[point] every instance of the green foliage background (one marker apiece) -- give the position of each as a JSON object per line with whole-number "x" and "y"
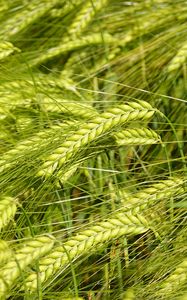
{"x": 93, "y": 149}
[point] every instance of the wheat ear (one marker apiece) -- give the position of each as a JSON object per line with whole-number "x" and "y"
{"x": 179, "y": 59}
{"x": 7, "y": 48}
{"x": 104, "y": 62}
{"x": 129, "y": 295}
{"x": 117, "y": 225}
{"x": 64, "y": 82}
{"x": 127, "y": 137}
{"x": 8, "y": 207}
{"x": 153, "y": 194}
{"x": 136, "y": 136}
{"x": 78, "y": 110}
{"x": 29, "y": 252}
{"x": 21, "y": 20}
{"x": 42, "y": 82}
{"x": 175, "y": 280}
{"x": 31, "y": 143}
{"x": 67, "y": 7}
{"x": 85, "y": 16}
{"x": 92, "y": 131}
{"x": 94, "y": 39}
{"x": 5, "y": 252}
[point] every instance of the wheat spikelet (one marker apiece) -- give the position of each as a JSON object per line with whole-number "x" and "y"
{"x": 15, "y": 86}
{"x": 21, "y": 20}
{"x": 71, "y": 63}
{"x": 65, "y": 176}
{"x": 136, "y": 136}
{"x": 104, "y": 62}
{"x": 11, "y": 91}
{"x": 44, "y": 82}
{"x": 8, "y": 207}
{"x": 31, "y": 143}
{"x": 76, "y": 109}
{"x": 152, "y": 20}
{"x": 94, "y": 39}
{"x": 175, "y": 280}
{"x": 7, "y": 48}
{"x": 10, "y": 102}
{"x": 5, "y": 252}
{"x": 129, "y": 295}
{"x": 117, "y": 225}
{"x": 179, "y": 59}
{"x": 152, "y": 195}
{"x": 29, "y": 251}
{"x": 67, "y": 7}
{"x": 92, "y": 131}
{"x": 85, "y": 16}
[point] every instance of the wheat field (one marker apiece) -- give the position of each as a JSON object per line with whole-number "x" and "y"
{"x": 93, "y": 150}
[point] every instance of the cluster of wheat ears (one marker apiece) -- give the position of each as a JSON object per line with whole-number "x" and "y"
{"x": 93, "y": 149}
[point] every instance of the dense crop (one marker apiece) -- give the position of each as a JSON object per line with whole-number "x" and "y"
{"x": 93, "y": 150}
